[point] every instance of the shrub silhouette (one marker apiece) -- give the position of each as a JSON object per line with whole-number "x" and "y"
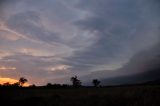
{"x": 32, "y": 86}
{"x": 75, "y": 81}
{"x": 96, "y": 82}
{"x": 16, "y": 84}
{"x": 7, "y": 84}
{"x": 49, "y": 85}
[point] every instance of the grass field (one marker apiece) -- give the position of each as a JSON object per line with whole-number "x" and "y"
{"x": 106, "y": 96}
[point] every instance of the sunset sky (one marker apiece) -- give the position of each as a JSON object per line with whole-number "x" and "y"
{"x": 52, "y": 40}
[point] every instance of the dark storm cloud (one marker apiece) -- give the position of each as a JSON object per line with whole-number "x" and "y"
{"x": 119, "y": 25}
{"x": 143, "y": 66}
{"x": 2, "y": 2}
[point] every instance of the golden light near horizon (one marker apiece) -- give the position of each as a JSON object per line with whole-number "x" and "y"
{"x": 7, "y": 68}
{"x": 11, "y": 81}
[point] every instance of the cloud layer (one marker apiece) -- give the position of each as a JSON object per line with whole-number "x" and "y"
{"x": 52, "y": 40}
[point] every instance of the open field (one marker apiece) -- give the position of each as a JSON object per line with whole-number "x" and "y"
{"x": 107, "y": 96}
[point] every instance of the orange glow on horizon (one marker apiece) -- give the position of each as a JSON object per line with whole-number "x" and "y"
{"x": 11, "y": 81}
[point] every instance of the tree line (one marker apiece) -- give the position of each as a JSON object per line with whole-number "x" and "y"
{"x": 74, "y": 80}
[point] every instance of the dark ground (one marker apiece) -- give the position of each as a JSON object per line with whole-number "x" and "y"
{"x": 107, "y": 96}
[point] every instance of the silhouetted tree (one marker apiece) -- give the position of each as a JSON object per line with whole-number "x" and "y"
{"x": 96, "y": 82}
{"x": 22, "y": 81}
{"x": 75, "y": 81}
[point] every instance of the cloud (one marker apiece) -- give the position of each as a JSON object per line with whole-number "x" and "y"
{"x": 4, "y": 54}
{"x": 6, "y": 35}
{"x": 7, "y": 68}
{"x": 34, "y": 67}
{"x": 35, "y": 52}
{"x": 55, "y": 38}
{"x": 122, "y": 29}
{"x": 28, "y": 24}
{"x": 141, "y": 67}
{"x": 59, "y": 70}
{"x": 60, "y": 67}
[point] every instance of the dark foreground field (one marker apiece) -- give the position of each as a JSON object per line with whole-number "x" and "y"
{"x": 109, "y": 96}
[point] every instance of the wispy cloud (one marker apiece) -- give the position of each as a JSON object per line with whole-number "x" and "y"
{"x": 7, "y": 68}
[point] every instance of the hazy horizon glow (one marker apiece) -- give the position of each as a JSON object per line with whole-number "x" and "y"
{"x": 10, "y": 81}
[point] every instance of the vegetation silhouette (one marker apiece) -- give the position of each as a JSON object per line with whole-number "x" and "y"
{"x": 7, "y": 84}
{"x": 22, "y": 81}
{"x": 32, "y": 86}
{"x": 96, "y": 82}
{"x": 50, "y": 85}
{"x": 75, "y": 82}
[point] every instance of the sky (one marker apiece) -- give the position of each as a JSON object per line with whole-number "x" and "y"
{"x": 52, "y": 40}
